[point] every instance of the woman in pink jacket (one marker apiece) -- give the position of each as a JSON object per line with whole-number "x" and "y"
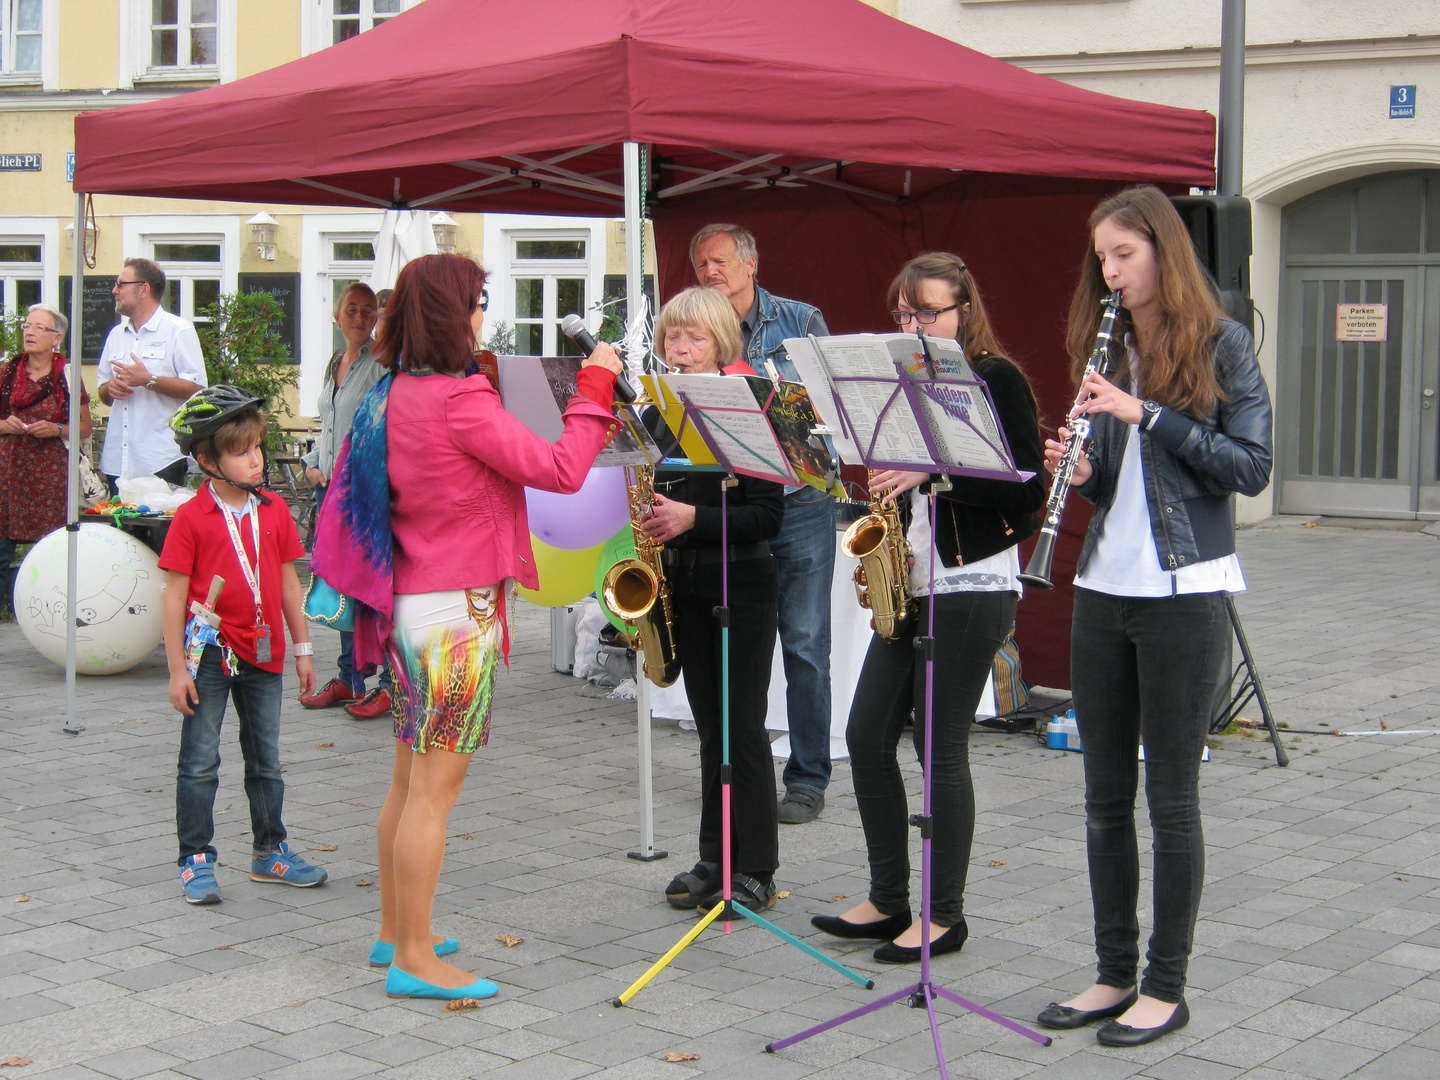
{"x": 429, "y": 533}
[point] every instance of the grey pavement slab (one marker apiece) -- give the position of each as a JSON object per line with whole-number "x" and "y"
{"x": 1316, "y": 951}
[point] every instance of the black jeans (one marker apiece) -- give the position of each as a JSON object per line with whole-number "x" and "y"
{"x": 969, "y": 627}
{"x": 754, "y": 827}
{"x": 1145, "y": 670}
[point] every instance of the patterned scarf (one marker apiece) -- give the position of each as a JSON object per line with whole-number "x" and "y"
{"x": 18, "y": 392}
{"x": 354, "y": 549}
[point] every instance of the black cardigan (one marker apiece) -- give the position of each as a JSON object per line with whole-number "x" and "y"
{"x": 979, "y": 518}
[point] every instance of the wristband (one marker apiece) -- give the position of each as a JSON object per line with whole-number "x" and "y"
{"x": 303, "y": 648}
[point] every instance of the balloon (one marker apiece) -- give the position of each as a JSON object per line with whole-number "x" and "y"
{"x": 565, "y": 576}
{"x": 584, "y": 519}
{"x": 618, "y": 547}
{"x": 119, "y": 602}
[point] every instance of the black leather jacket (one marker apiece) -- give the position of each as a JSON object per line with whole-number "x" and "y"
{"x": 1191, "y": 467}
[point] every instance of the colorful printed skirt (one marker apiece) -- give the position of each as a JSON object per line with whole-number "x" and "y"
{"x": 444, "y": 652}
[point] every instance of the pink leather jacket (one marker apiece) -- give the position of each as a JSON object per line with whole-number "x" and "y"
{"x": 459, "y": 464}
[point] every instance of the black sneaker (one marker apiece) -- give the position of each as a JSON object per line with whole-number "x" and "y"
{"x": 800, "y": 805}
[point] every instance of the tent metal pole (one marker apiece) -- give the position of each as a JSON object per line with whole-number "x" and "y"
{"x": 634, "y": 285}
{"x": 1232, "y": 97}
{"x": 72, "y": 503}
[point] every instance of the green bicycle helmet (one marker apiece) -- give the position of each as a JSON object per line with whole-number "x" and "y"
{"x": 207, "y": 410}
{"x": 204, "y": 413}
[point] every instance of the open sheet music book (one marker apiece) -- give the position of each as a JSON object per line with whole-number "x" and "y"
{"x": 536, "y": 389}
{"x": 761, "y": 429}
{"x": 888, "y": 404}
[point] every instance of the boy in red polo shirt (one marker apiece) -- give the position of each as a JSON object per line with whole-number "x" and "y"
{"x": 231, "y": 530}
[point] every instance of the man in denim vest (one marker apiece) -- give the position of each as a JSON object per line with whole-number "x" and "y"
{"x": 724, "y": 258}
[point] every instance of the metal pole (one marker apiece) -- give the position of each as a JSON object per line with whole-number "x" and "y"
{"x": 72, "y": 504}
{"x": 1232, "y": 98}
{"x": 634, "y": 230}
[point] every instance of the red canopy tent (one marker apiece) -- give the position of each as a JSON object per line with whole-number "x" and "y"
{"x": 845, "y": 139}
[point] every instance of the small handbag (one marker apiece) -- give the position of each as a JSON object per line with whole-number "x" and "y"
{"x": 93, "y": 489}
{"x": 328, "y": 606}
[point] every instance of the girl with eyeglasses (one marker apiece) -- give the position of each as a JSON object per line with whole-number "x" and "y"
{"x": 979, "y": 524}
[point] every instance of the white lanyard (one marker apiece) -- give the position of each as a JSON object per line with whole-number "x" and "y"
{"x": 252, "y": 576}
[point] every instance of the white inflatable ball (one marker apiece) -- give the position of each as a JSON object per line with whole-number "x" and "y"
{"x": 119, "y": 605}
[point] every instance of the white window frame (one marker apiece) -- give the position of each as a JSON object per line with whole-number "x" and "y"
{"x": 317, "y": 22}
{"x": 318, "y": 269}
{"x": 48, "y": 77}
{"x": 46, "y": 233}
{"x": 501, "y": 232}
{"x": 135, "y": 67}
{"x": 141, "y": 234}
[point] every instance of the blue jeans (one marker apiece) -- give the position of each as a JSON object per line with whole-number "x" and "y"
{"x": 346, "y": 663}
{"x": 805, "y": 554}
{"x": 256, "y": 694}
{"x": 1146, "y": 670}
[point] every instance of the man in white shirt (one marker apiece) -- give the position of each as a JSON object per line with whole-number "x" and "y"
{"x": 151, "y": 364}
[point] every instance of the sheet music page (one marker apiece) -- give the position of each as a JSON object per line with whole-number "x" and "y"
{"x": 536, "y": 390}
{"x": 862, "y": 372}
{"x": 673, "y": 410}
{"x": 822, "y": 397}
{"x": 735, "y": 424}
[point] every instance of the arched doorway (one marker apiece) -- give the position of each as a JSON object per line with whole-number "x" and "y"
{"x": 1358, "y": 426}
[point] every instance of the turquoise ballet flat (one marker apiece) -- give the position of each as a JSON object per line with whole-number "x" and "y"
{"x": 400, "y": 984}
{"x": 383, "y": 954}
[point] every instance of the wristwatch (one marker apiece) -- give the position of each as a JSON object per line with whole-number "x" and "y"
{"x": 151, "y": 384}
{"x": 1152, "y": 413}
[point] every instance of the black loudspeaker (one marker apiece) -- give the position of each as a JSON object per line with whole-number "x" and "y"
{"x": 1220, "y": 227}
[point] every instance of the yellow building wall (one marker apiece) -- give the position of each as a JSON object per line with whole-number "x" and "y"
{"x": 267, "y": 34}
{"x": 89, "y": 56}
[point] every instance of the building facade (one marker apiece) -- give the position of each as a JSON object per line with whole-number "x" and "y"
{"x": 1342, "y": 165}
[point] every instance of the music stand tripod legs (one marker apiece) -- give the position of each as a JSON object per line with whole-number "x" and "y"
{"x": 728, "y": 908}
{"x": 1249, "y": 688}
{"x": 923, "y": 993}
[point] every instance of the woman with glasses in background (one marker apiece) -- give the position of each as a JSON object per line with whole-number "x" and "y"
{"x": 34, "y": 425}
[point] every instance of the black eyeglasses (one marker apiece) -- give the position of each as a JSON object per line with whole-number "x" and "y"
{"x": 924, "y": 316}
{"x": 483, "y": 301}
{"x": 121, "y": 284}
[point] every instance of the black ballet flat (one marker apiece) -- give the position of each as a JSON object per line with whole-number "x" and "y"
{"x": 952, "y": 940}
{"x": 1112, "y": 1033}
{"x": 889, "y": 927}
{"x": 1064, "y": 1018}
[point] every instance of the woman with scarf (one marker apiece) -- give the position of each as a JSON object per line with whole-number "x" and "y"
{"x": 34, "y": 424}
{"x": 425, "y": 527}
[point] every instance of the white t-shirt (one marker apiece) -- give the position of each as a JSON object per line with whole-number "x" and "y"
{"x": 138, "y": 439}
{"x": 998, "y": 573}
{"x": 1125, "y": 561}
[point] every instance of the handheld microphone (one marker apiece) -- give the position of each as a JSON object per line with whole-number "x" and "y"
{"x": 574, "y": 328}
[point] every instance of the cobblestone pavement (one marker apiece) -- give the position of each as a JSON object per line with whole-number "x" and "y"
{"x": 1316, "y": 953}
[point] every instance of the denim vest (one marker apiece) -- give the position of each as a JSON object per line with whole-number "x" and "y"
{"x": 779, "y": 319}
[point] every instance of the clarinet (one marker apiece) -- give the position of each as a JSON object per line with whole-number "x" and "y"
{"x": 1037, "y": 570}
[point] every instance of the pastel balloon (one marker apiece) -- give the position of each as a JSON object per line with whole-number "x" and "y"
{"x": 565, "y": 576}
{"x": 619, "y": 547}
{"x": 584, "y": 519}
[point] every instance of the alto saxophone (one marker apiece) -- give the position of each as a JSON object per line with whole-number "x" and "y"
{"x": 882, "y": 580}
{"x": 636, "y": 590}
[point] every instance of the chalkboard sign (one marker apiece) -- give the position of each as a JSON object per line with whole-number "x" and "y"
{"x": 285, "y": 288}
{"x": 98, "y": 304}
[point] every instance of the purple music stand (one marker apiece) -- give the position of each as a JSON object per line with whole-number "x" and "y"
{"x": 922, "y": 993}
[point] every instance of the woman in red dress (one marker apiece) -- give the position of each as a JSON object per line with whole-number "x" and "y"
{"x": 34, "y": 422}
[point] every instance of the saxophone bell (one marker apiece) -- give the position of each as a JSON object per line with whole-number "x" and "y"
{"x": 882, "y": 580}
{"x": 636, "y": 591}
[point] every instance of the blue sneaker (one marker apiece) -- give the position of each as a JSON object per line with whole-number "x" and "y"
{"x": 197, "y": 877}
{"x": 287, "y": 868}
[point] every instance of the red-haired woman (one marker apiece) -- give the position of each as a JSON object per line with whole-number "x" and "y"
{"x": 425, "y": 526}
{"x": 1181, "y": 423}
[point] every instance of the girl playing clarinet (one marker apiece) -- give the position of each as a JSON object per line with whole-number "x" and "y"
{"x": 1181, "y": 423}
